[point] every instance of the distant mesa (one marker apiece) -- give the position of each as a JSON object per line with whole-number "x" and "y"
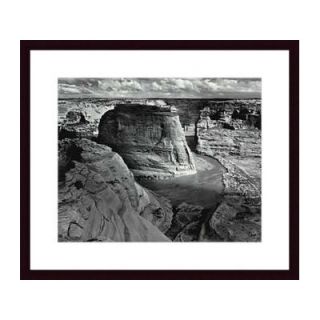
{"x": 149, "y": 138}
{"x": 81, "y": 121}
{"x": 75, "y": 125}
{"x": 74, "y": 117}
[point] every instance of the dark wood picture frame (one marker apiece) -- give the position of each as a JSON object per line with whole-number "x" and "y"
{"x": 292, "y": 46}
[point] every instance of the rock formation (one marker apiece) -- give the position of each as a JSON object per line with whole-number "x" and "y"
{"x": 92, "y": 109}
{"x": 80, "y": 119}
{"x": 234, "y": 139}
{"x": 99, "y": 199}
{"x": 75, "y": 125}
{"x": 186, "y": 223}
{"x": 149, "y": 138}
{"x": 234, "y": 221}
{"x": 238, "y": 217}
{"x": 220, "y": 134}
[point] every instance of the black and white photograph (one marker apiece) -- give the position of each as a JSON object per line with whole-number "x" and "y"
{"x": 123, "y": 156}
{"x": 159, "y": 159}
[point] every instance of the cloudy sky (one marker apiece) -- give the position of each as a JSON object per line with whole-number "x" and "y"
{"x": 159, "y": 87}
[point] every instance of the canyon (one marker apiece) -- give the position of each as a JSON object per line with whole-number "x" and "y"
{"x": 160, "y": 170}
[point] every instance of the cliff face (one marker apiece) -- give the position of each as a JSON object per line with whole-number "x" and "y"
{"x": 99, "y": 199}
{"x": 227, "y": 138}
{"x": 80, "y": 120}
{"x": 234, "y": 139}
{"x": 149, "y": 138}
{"x": 228, "y": 131}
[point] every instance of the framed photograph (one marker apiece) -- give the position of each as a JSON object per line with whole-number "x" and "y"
{"x": 159, "y": 160}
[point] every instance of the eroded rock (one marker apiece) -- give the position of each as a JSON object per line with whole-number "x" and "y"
{"x": 149, "y": 138}
{"x": 99, "y": 199}
{"x": 81, "y": 119}
{"x": 234, "y": 139}
{"x": 236, "y": 221}
{"x": 186, "y": 223}
{"x": 75, "y": 125}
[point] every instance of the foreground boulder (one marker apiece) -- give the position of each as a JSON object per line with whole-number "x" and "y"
{"x": 186, "y": 223}
{"x": 236, "y": 219}
{"x": 99, "y": 199}
{"x": 149, "y": 138}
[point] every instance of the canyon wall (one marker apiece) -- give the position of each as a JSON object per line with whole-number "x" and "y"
{"x": 149, "y": 138}
{"x": 229, "y": 132}
{"x": 99, "y": 199}
{"x": 78, "y": 119}
{"x": 233, "y": 137}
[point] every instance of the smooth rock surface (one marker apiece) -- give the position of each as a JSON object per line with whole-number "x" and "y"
{"x": 99, "y": 199}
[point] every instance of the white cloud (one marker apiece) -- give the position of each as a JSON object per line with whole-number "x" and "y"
{"x": 65, "y": 88}
{"x": 157, "y": 87}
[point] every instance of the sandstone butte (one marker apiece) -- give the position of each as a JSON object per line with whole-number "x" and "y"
{"x": 149, "y": 138}
{"x": 99, "y": 200}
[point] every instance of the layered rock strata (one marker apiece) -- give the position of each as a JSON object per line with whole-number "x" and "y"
{"x": 92, "y": 109}
{"x": 99, "y": 199}
{"x": 149, "y": 138}
{"x": 75, "y": 125}
{"x": 80, "y": 120}
{"x": 235, "y": 141}
{"x": 227, "y": 138}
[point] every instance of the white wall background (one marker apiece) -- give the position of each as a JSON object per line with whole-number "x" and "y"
{"x": 161, "y": 20}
